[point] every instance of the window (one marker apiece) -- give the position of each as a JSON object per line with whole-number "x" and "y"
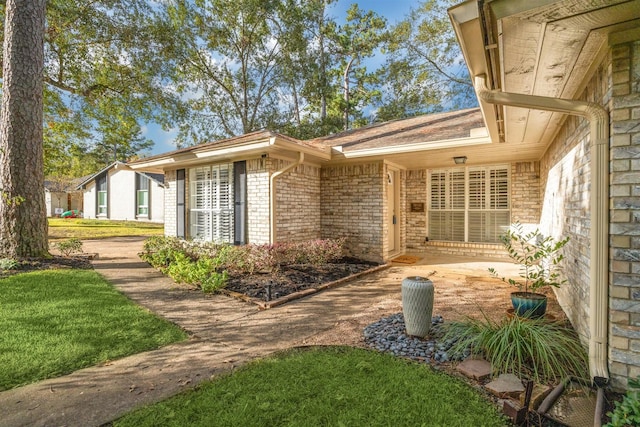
{"x": 211, "y": 203}
{"x": 142, "y": 195}
{"x": 469, "y": 204}
{"x": 101, "y": 189}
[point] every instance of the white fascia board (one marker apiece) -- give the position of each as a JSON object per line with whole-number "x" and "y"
{"x": 421, "y": 146}
{"x": 157, "y": 164}
{"x": 323, "y": 153}
{"x": 232, "y": 150}
{"x": 463, "y": 12}
{"x": 465, "y": 19}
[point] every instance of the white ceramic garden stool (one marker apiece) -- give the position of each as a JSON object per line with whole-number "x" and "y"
{"x": 417, "y": 305}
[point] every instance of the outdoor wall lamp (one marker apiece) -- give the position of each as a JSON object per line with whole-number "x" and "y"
{"x": 460, "y": 160}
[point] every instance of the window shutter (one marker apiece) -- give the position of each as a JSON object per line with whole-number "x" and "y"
{"x": 446, "y": 216}
{"x": 200, "y": 198}
{"x": 477, "y": 200}
{"x": 438, "y": 190}
{"x": 499, "y": 189}
{"x": 240, "y": 202}
{"x": 212, "y": 203}
{"x": 180, "y": 203}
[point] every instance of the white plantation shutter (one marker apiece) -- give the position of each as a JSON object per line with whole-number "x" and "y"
{"x": 472, "y": 203}
{"x": 223, "y": 215}
{"x": 211, "y": 208}
{"x": 446, "y": 216}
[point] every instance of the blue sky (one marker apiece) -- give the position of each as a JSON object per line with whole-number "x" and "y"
{"x": 392, "y": 10}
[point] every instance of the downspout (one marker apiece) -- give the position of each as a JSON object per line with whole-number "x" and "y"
{"x": 272, "y": 195}
{"x": 599, "y": 206}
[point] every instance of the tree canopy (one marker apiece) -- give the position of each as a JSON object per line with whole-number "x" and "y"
{"x": 219, "y": 68}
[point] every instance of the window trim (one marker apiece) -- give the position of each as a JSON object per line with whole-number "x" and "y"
{"x": 142, "y": 206}
{"x": 447, "y": 202}
{"x": 141, "y": 182}
{"x": 216, "y": 213}
{"x": 102, "y": 210}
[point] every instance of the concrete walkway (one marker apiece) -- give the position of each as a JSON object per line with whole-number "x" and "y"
{"x": 224, "y": 333}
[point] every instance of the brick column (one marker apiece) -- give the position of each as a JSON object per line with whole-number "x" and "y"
{"x": 624, "y": 278}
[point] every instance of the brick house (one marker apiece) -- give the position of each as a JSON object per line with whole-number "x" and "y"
{"x": 119, "y": 193}
{"x": 559, "y": 87}
{"x": 555, "y": 144}
{"x": 265, "y": 187}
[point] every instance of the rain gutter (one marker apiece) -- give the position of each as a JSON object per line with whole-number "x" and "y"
{"x": 598, "y": 118}
{"x": 272, "y": 194}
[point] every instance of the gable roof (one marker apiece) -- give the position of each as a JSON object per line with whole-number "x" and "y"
{"x": 63, "y": 186}
{"x": 157, "y": 177}
{"x": 234, "y": 148}
{"x": 427, "y": 129}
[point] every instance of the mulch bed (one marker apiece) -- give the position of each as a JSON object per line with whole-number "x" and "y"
{"x": 294, "y": 278}
{"x": 53, "y": 263}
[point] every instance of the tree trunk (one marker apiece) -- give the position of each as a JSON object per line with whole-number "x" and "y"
{"x": 23, "y": 221}
{"x": 345, "y": 89}
{"x": 323, "y": 65}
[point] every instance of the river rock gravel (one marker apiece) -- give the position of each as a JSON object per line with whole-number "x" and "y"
{"x": 388, "y": 335}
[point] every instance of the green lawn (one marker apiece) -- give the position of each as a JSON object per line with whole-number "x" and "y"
{"x": 57, "y": 321}
{"x": 334, "y": 386}
{"x": 60, "y": 228}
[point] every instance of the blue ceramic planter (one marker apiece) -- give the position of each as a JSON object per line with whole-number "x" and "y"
{"x": 529, "y": 304}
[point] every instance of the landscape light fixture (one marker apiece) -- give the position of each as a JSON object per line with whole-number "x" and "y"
{"x": 460, "y": 160}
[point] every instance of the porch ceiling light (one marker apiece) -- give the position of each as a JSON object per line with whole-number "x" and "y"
{"x": 460, "y": 160}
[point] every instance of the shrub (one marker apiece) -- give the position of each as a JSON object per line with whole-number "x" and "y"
{"x": 160, "y": 251}
{"x": 8, "y": 264}
{"x": 202, "y": 272}
{"x": 208, "y": 264}
{"x": 69, "y": 246}
{"x": 214, "y": 282}
{"x": 539, "y": 257}
{"x": 627, "y": 412}
{"x": 529, "y": 348}
{"x": 180, "y": 268}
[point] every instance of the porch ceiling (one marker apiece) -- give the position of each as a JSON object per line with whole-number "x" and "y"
{"x": 537, "y": 47}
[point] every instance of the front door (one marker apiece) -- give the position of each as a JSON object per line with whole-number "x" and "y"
{"x": 393, "y": 210}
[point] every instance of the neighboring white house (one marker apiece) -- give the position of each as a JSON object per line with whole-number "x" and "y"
{"x": 61, "y": 197}
{"x": 119, "y": 193}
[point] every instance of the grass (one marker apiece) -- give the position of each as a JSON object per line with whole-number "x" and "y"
{"x": 537, "y": 349}
{"x": 60, "y": 228}
{"x": 330, "y": 386}
{"x": 57, "y": 321}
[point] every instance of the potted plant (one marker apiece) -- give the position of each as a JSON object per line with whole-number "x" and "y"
{"x": 539, "y": 258}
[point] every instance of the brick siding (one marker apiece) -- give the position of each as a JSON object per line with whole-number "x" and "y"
{"x": 624, "y": 298}
{"x": 258, "y": 230}
{"x": 297, "y": 203}
{"x": 352, "y": 206}
{"x": 170, "y": 200}
{"x": 525, "y": 192}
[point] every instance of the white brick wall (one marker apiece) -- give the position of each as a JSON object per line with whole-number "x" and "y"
{"x": 258, "y": 200}
{"x": 170, "y": 202}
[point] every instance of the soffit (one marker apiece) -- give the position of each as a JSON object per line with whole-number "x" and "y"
{"x": 549, "y": 49}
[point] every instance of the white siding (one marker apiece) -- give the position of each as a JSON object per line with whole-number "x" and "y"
{"x": 121, "y": 197}
{"x": 157, "y": 202}
{"x": 121, "y": 188}
{"x": 89, "y": 201}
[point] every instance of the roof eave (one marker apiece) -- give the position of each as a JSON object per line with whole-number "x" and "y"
{"x": 82, "y": 184}
{"x": 230, "y": 152}
{"x": 411, "y": 148}
{"x": 467, "y": 25}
